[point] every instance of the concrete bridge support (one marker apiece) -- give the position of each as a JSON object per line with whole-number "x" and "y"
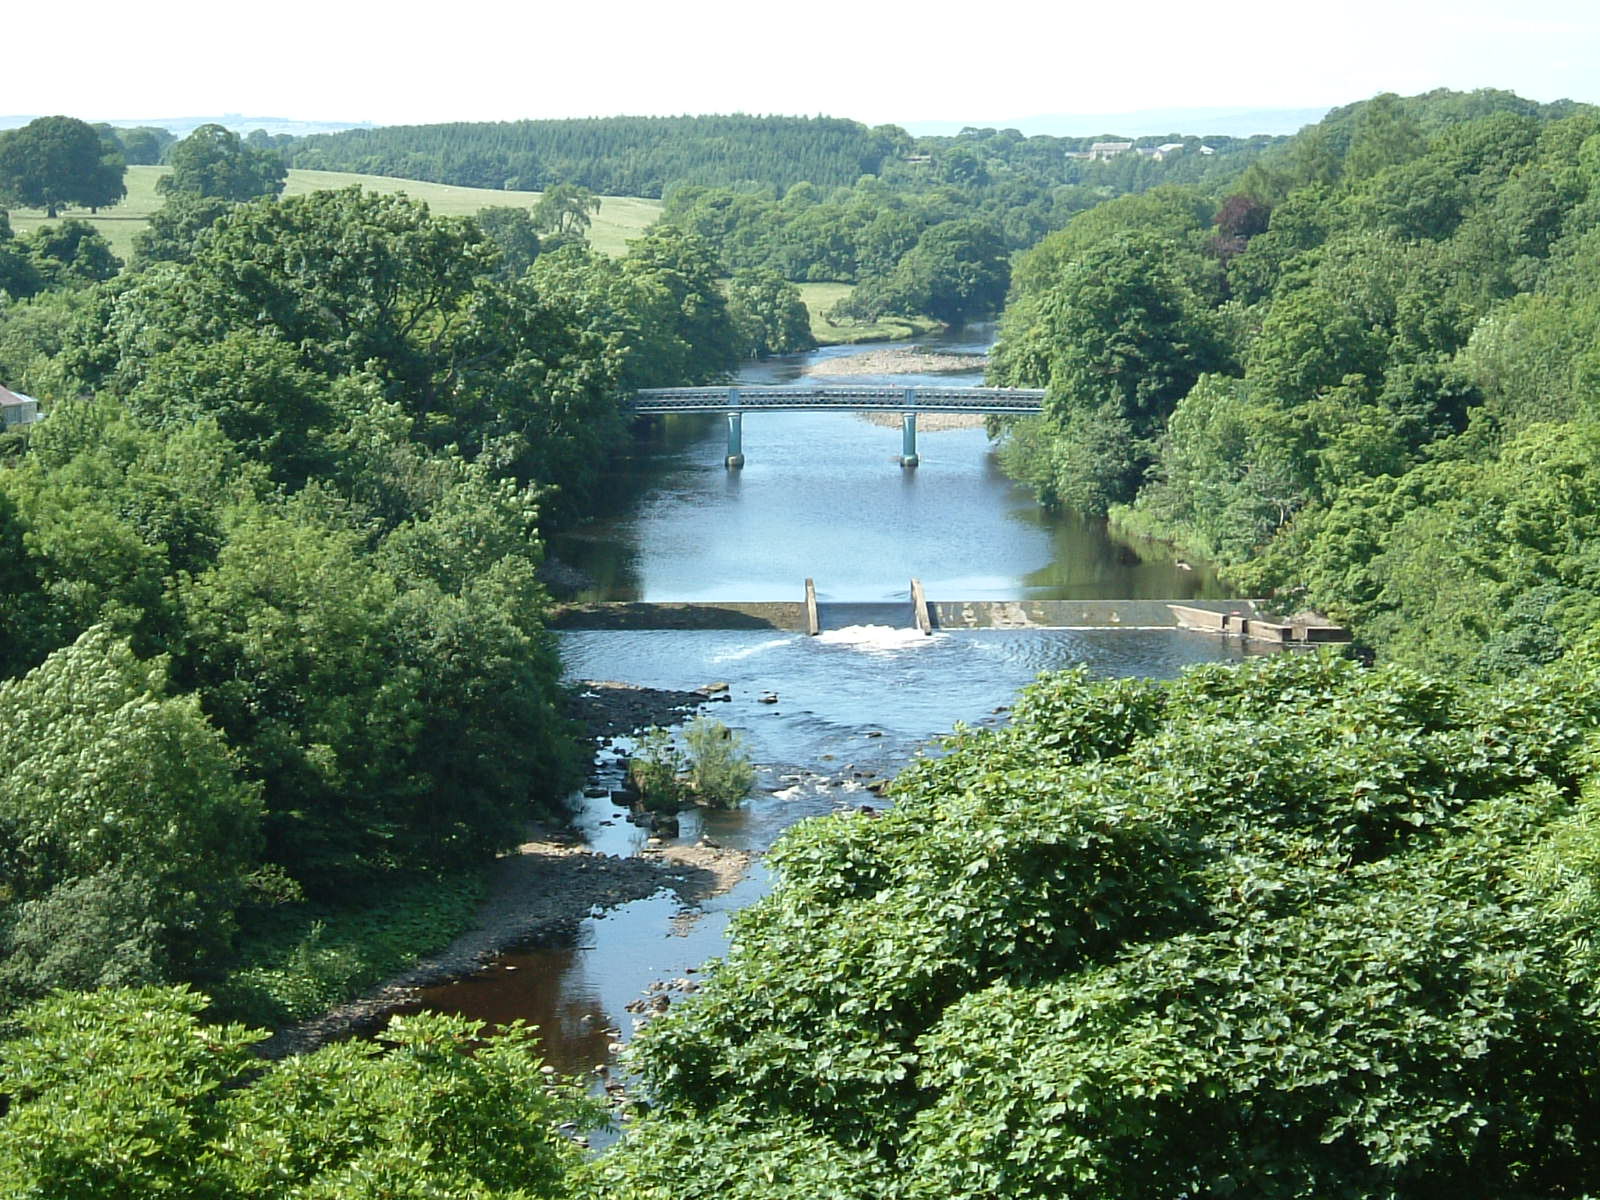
{"x": 908, "y": 439}
{"x": 735, "y": 458}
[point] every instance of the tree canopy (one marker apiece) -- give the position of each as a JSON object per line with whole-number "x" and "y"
{"x": 1290, "y": 928}
{"x": 213, "y": 161}
{"x": 54, "y": 162}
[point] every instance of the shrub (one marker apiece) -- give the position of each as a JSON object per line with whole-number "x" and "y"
{"x": 654, "y": 770}
{"x": 720, "y": 771}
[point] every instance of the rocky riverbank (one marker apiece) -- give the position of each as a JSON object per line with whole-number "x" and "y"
{"x": 540, "y": 891}
{"x": 898, "y": 360}
{"x": 928, "y": 422}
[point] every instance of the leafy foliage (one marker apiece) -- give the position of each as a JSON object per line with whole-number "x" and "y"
{"x": 1282, "y": 929}
{"x": 769, "y": 314}
{"x": 54, "y": 162}
{"x": 655, "y": 768}
{"x": 127, "y": 832}
{"x": 213, "y": 161}
{"x": 1391, "y": 302}
{"x": 720, "y": 772}
{"x": 126, "y": 1093}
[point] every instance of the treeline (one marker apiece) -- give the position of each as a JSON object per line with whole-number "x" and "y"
{"x": 1364, "y": 381}
{"x": 615, "y": 156}
{"x": 652, "y": 156}
{"x": 273, "y": 622}
{"x": 933, "y": 233}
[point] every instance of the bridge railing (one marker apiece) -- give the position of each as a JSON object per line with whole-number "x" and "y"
{"x": 732, "y": 399}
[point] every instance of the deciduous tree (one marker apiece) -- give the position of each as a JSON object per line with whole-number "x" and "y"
{"x": 213, "y": 161}
{"x": 53, "y": 162}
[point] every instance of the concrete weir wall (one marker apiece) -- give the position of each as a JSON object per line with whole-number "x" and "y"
{"x": 1228, "y": 618}
{"x": 1254, "y": 628}
{"x": 717, "y": 614}
{"x": 1070, "y": 614}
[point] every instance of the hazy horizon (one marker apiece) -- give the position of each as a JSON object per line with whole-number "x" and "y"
{"x": 321, "y": 63}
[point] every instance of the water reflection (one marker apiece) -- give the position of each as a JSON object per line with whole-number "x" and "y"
{"x": 822, "y": 495}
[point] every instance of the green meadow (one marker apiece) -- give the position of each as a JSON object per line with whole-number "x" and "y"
{"x": 820, "y": 297}
{"x": 619, "y": 218}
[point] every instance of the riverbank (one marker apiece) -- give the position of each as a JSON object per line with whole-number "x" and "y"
{"x": 899, "y": 360}
{"x": 819, "y": 300}
{"x": 537, "y": 895}
{"x": 539, "y": 892}
{"x": 927, "y": 422}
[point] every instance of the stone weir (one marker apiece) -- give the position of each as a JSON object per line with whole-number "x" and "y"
{"x": 1084, "y": 614}
{"x": 711, "y": 614}
{"x": 1229, "y": 618}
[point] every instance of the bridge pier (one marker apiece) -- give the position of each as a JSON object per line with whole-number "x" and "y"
{"x": 908, "y": 439}
{"x": 735, "y": 458}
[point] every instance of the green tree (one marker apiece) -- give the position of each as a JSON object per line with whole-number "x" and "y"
{"x": 129, "y": 1093}
{"x": 70, "y": 254}
{"x": 129, "y": 830}
{"x": 1383, "y": 135}
{"x": 19, "y": 276}
{"x": 174, "y": 228}
{"x": 1290, "y": 927}
{"x": 514, "y": 232}
{"x": 563, "y": 211}
{"x": 53, "y": 162}
{"x": 253, "y": 386}
{"x": 957, "y": 270}
{"x": 142, "y": 146}
{"x": 682, "y": 265}
{"x": 213, "y": 161}
{"x": 328, "y": 731}
{"x": 374, "y": 288}
{"x": 769, "y": 314}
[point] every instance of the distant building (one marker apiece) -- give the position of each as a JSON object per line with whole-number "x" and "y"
{"x": 1159, "y": 153}
{"x": 17, "y": 409}
{"x": 1101, "y": 151}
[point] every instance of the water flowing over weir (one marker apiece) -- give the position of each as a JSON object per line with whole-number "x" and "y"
{"x": 820, "y": 495}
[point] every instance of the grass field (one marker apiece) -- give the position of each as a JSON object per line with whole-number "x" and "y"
{"x": 820, "y": 297}
{"x": 619, "y": 218}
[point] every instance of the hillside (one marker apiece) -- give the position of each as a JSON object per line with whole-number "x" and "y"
{"x": 619, "y": 218}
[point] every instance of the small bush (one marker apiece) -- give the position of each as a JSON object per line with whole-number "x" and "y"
{"x": 655, "y": 768}
{"x": 720, "y": 771}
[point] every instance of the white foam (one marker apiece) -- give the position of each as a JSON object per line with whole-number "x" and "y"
{"x": 748, "y": 651}
{"x": 877, "y": 639}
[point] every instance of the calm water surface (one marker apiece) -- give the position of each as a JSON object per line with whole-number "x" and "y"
{"x": 821, "y": 495}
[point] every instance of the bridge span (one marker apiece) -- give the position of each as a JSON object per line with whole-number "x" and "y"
{"x": 908, "y": 401}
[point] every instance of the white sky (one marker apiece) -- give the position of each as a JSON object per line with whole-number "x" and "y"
{"x": 876, "y": 62}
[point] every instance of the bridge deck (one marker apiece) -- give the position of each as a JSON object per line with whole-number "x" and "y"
{"x": 853, "y": 399}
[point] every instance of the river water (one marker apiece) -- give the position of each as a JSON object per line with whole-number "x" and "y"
{"x": 821, "y": 495}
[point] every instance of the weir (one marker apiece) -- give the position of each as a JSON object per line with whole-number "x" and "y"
{"x": 1228, "y": 618}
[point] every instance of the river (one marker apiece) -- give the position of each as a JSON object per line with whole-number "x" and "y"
{"x": 821, "y": 495}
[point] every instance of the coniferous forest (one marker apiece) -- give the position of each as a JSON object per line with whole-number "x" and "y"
{"x": 274, "y": 650}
